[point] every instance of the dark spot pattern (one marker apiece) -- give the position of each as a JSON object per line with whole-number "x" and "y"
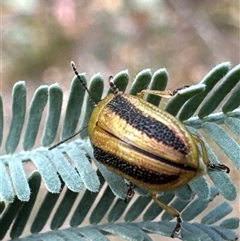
{"x": 138, "y": 173}
{"x": 148, "y": 125}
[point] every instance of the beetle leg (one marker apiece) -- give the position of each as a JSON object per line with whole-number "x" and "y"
{"x": 171, "y": 211}
{"x": 130, "y": 192}
{"x": 204, "y": 150}
{"x": 165, "y": 93}
{"x": 212, "y": 166}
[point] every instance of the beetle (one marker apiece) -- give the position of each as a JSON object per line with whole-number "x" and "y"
{"x": 144, "y": 144}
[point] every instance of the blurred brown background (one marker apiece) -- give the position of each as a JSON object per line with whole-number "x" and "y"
{"x": 40, "y": 38}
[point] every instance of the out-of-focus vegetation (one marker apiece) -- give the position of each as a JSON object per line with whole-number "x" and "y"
{"x": 40, "y": 38}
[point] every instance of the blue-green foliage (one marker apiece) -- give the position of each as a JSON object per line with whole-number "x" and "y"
{"x": 68, "y": 171}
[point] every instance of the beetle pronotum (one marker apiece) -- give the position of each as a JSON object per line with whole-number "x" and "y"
{"x": 144, "y": 144}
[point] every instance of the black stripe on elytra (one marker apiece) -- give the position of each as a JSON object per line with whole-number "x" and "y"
{"x": 148, "y": 125}
{"x": 139, "y": 173}
{"x": 156, "y": 157}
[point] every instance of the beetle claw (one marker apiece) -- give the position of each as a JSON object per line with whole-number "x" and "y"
{"x": 178, "y": 227}
{"x": 130, "y": 192}
{"x": 180, "y": 88}
{"x": 219, "y": 167}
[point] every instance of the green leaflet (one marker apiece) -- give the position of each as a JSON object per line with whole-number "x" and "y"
{"x": 53, "y": 117}
{"x": 69, "y": 174}
{"x": 37, "y": 105}
{"x": 18, "y": 115}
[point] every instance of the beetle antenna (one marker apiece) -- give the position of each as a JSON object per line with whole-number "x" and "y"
{"x": 113, "y": 87}
{"x": 68, "y": 138}
{"x": 82, "y": 82}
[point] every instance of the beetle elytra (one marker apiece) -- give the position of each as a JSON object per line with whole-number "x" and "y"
{"x": 145, "y": 145}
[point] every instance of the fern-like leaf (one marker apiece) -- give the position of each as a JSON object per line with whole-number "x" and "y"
{"x": 68, "y": 171}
